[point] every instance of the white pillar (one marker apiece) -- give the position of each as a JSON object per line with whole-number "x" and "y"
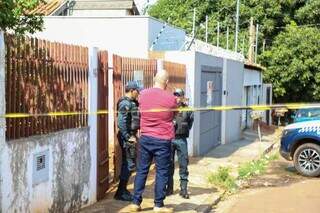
{"x": 224, "y": 101}
{"x": 2, "y": 111}
{"x": 92, "y": 119}
{"x": 160, "y": 65}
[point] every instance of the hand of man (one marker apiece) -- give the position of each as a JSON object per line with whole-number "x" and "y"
{"x": 132, "y": 139}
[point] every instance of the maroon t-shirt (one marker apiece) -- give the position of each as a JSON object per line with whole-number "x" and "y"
{"x": 157, "y": 124}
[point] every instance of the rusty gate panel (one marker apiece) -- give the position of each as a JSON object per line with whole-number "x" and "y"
{"x": 43, "y": 77}
{"x": 117, "y": 93}
{"x": 102, "y": 131}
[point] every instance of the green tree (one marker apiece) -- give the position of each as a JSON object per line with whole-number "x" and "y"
{"x": 293, "y": 64}
{"x": 15, "y": 16}
{"x": 310, "y": 13}
{"x": 272, "y": 15}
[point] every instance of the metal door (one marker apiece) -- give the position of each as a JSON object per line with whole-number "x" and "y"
{"x": 210, "y": 121}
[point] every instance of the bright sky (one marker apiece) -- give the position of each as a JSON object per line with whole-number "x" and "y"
{"x": 141, "y": 3}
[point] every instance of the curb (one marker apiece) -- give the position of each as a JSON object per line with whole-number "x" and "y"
{"x": 270, "y": 148}
{"x": 214, "y": 201}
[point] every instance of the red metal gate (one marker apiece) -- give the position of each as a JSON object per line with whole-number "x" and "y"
{"x": 43, "y": 77}
{"x": 103, "y": 154}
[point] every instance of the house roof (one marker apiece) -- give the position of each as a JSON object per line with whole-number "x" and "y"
{"x": 253, "y": 66}
{"x": 50, "y": 6}
{"x": 47, "y": 8}
{"x": 104, "y": 4}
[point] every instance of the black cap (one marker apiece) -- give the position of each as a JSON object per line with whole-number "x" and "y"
{"x": 133, "y": 85}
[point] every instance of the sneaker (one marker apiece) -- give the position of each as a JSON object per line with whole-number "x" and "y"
{"x": 123, "y": 197}
{"x": 162, "y": 209}
{"x": 133, "y": 208}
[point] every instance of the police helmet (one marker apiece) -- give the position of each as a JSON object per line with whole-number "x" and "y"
{"x": 178, "y": 92}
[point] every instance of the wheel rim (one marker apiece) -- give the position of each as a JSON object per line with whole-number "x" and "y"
{"x": 309, "y": 160}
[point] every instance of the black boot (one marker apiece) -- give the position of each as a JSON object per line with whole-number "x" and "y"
{"x": 122, "y": 193}
{"x": 184, "y": 191}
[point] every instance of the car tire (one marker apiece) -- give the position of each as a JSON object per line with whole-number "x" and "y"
{"x": 307, "y": 159}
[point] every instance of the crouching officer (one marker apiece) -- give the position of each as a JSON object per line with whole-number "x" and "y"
{"x": 183, "y": 122}
{"x": 128, "y": 124}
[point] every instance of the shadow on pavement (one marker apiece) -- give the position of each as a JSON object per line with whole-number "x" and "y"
{"x": 226, "y": 150}
{"x": 182, "y": 205}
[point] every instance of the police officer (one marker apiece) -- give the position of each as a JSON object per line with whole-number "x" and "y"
{"x": 183, "y": 122}
{"x": 128, "y": 124}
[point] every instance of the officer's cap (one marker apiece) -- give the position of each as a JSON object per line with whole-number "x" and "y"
{"x": 178, "y": 92}
{"x": 133, "y": 85}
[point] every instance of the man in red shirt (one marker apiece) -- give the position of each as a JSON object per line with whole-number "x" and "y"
{"x": 157, "y": 131}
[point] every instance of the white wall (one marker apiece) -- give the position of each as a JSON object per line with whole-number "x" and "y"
{"x": 130, "y": 36}
{"x": 126, "y": 36}
{"x": 252, "y": 77}
{"x": 103, "y": 13}
{"x": 69, "y": 166}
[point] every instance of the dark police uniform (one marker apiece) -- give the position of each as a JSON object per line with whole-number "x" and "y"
{"x": 183, "y": 122}
{"x": 128, "y": 124}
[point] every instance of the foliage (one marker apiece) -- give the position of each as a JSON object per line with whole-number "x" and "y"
{"x": 255, "y": 167}
{"x": 270, "y": 14}
{"x": 310, "y": 13}
{"x": 223, "y": 179}
{"x": 294, "y": 65}
{"x": 15, "y": 16}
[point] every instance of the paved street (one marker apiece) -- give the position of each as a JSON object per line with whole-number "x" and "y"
{"x": 280, "y": 190}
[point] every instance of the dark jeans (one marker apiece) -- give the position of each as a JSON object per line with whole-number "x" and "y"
{"x": 180, "y": 146}
{"x": 160, "y": 150}
{"x": 128, "y": 164}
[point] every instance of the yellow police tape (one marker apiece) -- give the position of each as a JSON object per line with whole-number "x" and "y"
{"x": 191, "y": 109}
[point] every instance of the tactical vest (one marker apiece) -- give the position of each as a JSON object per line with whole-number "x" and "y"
{"x": 182, "y": 124}
{"x": 133, "y": 114}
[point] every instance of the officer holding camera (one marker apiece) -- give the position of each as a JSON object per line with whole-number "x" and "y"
{"x": 128, "y": 124}
{"x": 183, "y": 122}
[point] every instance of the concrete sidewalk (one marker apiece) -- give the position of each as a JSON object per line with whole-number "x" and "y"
{"x": 203, "y": 196}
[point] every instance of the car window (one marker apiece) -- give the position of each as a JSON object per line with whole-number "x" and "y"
{"x": 308, "y": 113}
